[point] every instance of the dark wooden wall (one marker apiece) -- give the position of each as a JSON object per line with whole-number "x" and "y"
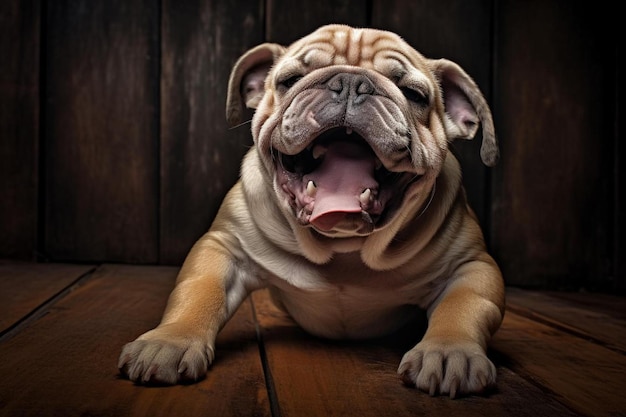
{"x": 114, "y": 147}
{"x": 554, "y": 204}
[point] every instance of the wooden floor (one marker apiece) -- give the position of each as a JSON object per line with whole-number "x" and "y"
{"x": 62, "y": 327}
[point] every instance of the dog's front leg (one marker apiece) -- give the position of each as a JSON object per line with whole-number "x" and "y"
{"x": 451, "y": 358}
{"x": 182, "y": 347}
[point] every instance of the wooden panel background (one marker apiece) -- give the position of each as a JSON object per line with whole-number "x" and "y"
{"x": 552, "y": 206}
{"x": 100, "y": 130}
{"x": 114, "y": 144}
{"x": 199, "y": 155}
{"x": 19, "y": 126}
{"x": 619, "y": 186}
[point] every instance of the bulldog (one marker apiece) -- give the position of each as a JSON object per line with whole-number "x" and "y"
{"x": 350, "y": 208}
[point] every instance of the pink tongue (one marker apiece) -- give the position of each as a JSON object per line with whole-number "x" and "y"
{"x": 346, "y": 171}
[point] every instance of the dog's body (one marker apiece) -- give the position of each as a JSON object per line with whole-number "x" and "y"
{"x": 349, "y": 207}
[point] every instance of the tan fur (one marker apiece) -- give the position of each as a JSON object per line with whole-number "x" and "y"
{"x": 362, "y": 278}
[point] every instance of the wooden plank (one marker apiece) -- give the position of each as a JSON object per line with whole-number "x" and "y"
{"x": 65, "y": 363}
{"x": 619, "y": 185}
{"x": 26, "y": 286}
{"x": 282, "y": 27}
{"x": 583, "y": 375}
{"x": 597, "y": 317}
{"x": 460, "y": 31}
{"x": 316, "y": 377}
{"x": 200, "y": 156}
{"x": 19, "y": 127}
{"x": 552, "y": 211}
{"x": 101, "y": 130}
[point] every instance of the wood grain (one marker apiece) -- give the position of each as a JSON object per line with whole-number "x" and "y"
{"x": 101, "y": 131}
{"x": 552, "y": 212}
{"x": 599, "y": 317}
{"x": 65, "y": 363}
{"x": 26, "y": 286}
{"x": 585, "y": 376}
{"x": 200, "y": 156}
{"x": 288, "y": 21}
{"x": 317, "y": 377}
{"x": 19, "y": 127}
{"x": 619, "y": 184}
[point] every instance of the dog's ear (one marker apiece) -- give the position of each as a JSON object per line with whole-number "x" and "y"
{"x": 466, "y": 108}
{"x": 247, "y": 80}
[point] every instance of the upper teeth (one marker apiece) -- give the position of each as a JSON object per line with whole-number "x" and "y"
{"x": 365, "y": 196}
{"x": 311, "y": 189}
{"x": 348, "y": 130}
{"x": 318, "y": 151}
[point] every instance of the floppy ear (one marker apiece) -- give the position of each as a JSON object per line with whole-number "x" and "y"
{"x": 247, "y": 80}
{"x": 466, "y": 108}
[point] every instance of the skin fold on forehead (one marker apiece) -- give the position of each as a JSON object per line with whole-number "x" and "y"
{"x": 343, "y": 45}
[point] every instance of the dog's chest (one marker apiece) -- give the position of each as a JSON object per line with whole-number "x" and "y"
{"x": 352, "y": 301}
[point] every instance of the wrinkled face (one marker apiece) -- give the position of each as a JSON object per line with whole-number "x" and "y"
{"x": 351, "y": 127}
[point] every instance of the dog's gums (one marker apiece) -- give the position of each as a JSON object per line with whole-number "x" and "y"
{"x": 338, "y": 184}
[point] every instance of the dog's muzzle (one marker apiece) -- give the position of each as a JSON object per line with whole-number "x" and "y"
{"x": 342, "y": 182}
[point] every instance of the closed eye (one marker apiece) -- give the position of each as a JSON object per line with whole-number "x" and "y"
{"x": 290, "y": 81}
{"x": 415, "y": 96}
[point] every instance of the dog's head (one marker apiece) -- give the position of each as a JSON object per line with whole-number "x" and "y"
{"x": 353, "y": 125}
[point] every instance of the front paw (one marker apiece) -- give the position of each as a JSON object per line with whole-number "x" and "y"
{"x": 448, "y": 368}
{"x": 166, "y": 355}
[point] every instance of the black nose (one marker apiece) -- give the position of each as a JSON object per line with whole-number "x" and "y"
{"x": 354, "y": 87}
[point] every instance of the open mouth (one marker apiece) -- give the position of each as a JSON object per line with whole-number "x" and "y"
{"x": 338, "y": 184}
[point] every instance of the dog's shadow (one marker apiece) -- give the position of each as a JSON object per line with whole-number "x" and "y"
{"x": 281, "y": 333}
